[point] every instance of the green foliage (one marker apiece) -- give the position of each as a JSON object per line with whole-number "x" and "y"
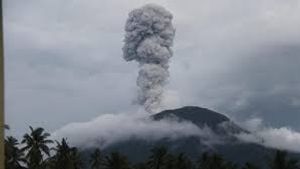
{"x": 214, "y": 161}
{"x": 182, "y": 162}
{"x": 14, "y": 157}
{"x": 116, "y": 161}
{"x": 96, "y": 159}
{"x": 66, "y": 157}
{"x": 35, "y": 154}
{"x": 158, "y": 158}
{"x": 36, "y": 144}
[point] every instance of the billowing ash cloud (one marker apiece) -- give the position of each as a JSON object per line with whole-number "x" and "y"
{"x": 148, "y": 40}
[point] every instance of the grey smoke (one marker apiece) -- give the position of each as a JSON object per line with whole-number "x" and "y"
{"x": 148, "y": 40}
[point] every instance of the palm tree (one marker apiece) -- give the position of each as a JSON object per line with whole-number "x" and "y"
{"x": 36, "y": 144}
{"x": 116, "y": 161}
{"x": 281, "y": 161}
{"x": 75, "y": 158}
{"x": 158, "y": 157}
{"x": 13, "y": 155}
{"x": 96, "y": 159}
{"x": 66, "y": 157}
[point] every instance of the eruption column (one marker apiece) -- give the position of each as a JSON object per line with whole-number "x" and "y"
{"x": 149, "y": 35}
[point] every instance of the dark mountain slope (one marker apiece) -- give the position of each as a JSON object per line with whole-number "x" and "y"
{"x": 202, "y": 117}
{"x": 196, "y": 115}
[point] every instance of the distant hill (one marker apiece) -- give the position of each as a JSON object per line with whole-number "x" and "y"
{"x": 231, "y": 148}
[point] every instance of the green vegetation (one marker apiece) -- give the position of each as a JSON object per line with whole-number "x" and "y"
{"x": 34, "y": 152}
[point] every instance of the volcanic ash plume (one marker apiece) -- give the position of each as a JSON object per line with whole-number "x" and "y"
{"x": 148, "y": 40}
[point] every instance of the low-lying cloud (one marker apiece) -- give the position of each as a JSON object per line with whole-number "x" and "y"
{"x": 283, "y": 138}
{"x": 108, "y": 129}
{"x": 112, "y": 128}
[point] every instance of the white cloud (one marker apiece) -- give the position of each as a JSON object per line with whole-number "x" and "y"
{"x": 111, "y": 128}
{"x": 280, "y": 138}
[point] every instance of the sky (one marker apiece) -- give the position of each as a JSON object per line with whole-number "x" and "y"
{"x": 63, "y": 60}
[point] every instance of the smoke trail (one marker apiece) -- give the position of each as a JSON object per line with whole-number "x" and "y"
{"x": 148, "y": 40}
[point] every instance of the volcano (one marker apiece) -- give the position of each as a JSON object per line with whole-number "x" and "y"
{"x": 223, "y": 128}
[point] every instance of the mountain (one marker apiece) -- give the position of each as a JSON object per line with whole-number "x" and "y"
{"x": 230, "y": 147}
{"x": 196, "y": 115}
{"x": 202, "y": 117}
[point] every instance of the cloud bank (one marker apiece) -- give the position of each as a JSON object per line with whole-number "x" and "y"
{"x": 283, "y": 138}
{"x": 112, "y": 128}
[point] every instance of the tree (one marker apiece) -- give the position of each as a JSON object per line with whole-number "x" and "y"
{"x": 213, "y": 161}
{"x": 281, "y": 161}
{"x": 13, "y": 155}
{"x": 36, "y": 144}
{"x": 182, "y": 162}
{"x": 170, "y": 161}
{"x": 96, "y": 159}
{"x": 75, "y": 158}
{"x": 116, "y": 161}
{"x": 66, "y": 157}
{"x": 158, "y": 157}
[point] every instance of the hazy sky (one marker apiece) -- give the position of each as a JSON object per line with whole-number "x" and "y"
{"x": 63, "y": 60}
